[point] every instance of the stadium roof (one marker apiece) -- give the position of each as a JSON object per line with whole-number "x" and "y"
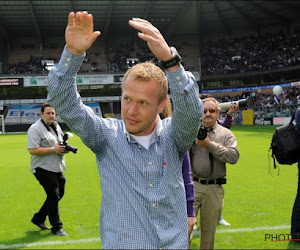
{"x": 44, "y": 18}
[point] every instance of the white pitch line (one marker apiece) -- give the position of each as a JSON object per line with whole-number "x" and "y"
{"x": 249, "y": 229}
{"x": 50, "y": 243}
{"x": 60, "y": 242}
{"x": 237, "y": 230}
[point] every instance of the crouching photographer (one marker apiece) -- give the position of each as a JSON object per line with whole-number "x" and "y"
{"x": 214, "y": 147}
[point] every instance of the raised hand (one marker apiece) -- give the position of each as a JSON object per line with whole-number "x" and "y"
{"x": 232, "y": 109}
{"x": 153, "y": 37}
{"x": 80, "y": 34}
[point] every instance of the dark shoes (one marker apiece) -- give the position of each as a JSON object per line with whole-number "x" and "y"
{"x": 41, "y": 225}
{"x": 60, "y": 232}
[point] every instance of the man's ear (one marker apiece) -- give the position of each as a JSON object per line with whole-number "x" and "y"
{"x": 162, "y": 105}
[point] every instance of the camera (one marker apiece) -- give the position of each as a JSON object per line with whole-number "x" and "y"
{"x": 65, "y": 143}
{"x": 202, "y": 133}
{"x": 242, "y": 103}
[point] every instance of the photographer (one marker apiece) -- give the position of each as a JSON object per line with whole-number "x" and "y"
{"x": 208, "y": 161}
{"x": 47, "y": 164}
{"x": 227, "y": 122}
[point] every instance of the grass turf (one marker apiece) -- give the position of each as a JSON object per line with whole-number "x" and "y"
{"x": 258, "y": 201}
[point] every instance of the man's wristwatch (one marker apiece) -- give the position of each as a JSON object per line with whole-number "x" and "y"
{"x": 175, "y": 60}
{"x": 52, "y": 150}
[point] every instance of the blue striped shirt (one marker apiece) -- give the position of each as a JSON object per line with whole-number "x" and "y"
{"x": 143, "y": 202}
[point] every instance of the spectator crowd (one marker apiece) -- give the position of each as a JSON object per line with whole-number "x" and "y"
{"x": 251, "y": 53}
{"x": 224, "y": 56}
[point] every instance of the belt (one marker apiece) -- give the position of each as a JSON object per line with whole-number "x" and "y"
{"x": 209, "y": 182}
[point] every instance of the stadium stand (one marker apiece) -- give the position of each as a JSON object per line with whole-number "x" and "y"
{"x": 230, "y": 54}
{"x": 250, "y": 53}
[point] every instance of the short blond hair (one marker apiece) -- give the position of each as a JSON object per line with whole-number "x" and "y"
{"x": 147, "y": 71}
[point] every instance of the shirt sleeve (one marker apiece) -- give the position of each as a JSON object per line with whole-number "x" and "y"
{"x": 188, "y": 184}
{"x": 64, "y": 97}
{"x": 187, "y": 107}
{"x": 227, "y": 121}
{"x": 33, "y": 138}
{"x": 226, "y": 151}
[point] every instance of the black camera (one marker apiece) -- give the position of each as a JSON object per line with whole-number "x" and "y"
{"x": 65, "y": 143}
{"x": 202, "y": 133}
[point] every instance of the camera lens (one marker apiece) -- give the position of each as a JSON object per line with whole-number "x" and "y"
{"x": 71, "y": 148}
{"x": 243, "y": 103}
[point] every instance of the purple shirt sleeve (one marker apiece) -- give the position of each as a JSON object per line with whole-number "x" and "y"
{"x": 227, "y": 121}
{"x": 189, "y": 185}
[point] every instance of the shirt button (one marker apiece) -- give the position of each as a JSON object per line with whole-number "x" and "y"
{"x": 180, "y": 83}
{"x": 178, "y": 77}
{"x": 151, "y": 185}
{"x": 149, "y": 163}
{"x": 153, "y": 205}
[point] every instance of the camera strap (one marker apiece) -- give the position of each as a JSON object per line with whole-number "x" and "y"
{"x": 48, "y": 127}
{"x": 54, "y": 128}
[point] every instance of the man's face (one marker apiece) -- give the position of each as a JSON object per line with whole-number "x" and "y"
{"x": 140, "y": 106}
{"x": 48, "y": 115}
{"x": 210, "y": 114}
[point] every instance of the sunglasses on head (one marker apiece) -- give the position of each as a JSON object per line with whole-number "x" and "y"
{"x": 209, "y": 110}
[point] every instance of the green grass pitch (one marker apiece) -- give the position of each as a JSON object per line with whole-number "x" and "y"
{"x": 258, "y": 202}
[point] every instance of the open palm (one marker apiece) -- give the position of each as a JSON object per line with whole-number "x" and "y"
{"x": 80, "y": 34}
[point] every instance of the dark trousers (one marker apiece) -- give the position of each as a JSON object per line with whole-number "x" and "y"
{"x": 295, "y": 229}
{"x": 54, "y": 186}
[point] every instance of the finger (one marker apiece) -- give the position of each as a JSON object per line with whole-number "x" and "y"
{"x": 144, "y": 27}
{"x": 88, "y": 24}
{"x": 78, "y": 17}
{"x": 90, "y": 20}
{"x": 141, "y": 21}
{"x": 147, "y": 38}
{"x": 87, "y": 21}
{"x": 94, "y": 36}
{"x": 71, "y": 19}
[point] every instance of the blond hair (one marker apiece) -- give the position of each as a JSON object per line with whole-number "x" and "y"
{"x": 148, "y": 71}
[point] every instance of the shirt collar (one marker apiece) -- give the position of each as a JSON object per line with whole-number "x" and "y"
{"x": 158, "y": 129}
{"x": 213, "y": 128}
